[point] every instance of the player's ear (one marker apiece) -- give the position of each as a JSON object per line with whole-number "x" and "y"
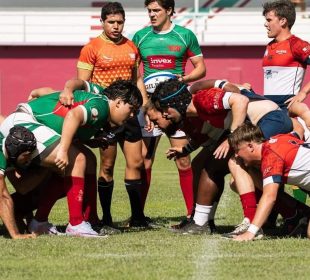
{"x": 283, "y": 21}
{"x": 118, "y": 102}
{"x": 169, "y": 11}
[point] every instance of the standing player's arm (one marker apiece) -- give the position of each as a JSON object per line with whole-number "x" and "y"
{"x": 84, "y": 74}
{"x": 66, "y": 97}
{"x": 264, "y": 208}
{"x": 73, "y": 120}
{"x": 300, "y": 97}
{"x": 140, "y": 84}
{"x": 7, "y": 212}
{"x": 198, "y": 72}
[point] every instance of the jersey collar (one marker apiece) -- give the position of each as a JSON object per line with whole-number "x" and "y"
{"x": 165, "y": 31}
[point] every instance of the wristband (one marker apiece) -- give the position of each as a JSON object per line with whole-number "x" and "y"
{"x": 253, "y": 229}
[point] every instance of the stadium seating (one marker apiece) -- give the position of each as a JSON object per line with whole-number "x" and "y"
{"x": 74, "y": 22}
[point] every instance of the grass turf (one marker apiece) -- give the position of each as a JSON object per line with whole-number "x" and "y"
{"x": 155, "y": 254}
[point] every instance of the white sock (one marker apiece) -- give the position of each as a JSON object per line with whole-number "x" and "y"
{"x": 213, "y": 210}
{"x": 201, "y": 214}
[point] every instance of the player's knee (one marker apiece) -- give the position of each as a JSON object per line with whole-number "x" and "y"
{"x": 183, "y": 163}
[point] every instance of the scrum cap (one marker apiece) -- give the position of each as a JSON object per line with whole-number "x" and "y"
{"x": 172, "y": 93}
{"x": 18, "y": 141}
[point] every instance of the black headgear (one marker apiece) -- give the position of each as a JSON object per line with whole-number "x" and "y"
{"x": 174, "y": 94}
{"x": 19, "y": 140}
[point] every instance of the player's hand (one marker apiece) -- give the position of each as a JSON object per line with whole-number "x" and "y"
{"x": 24, "y": 236}
{"x": 174, "y": 153}
{"x": 180, "y": 78}
{"x": 61, "y": 160}
{"x": 33, "y": 94}
{"x": 66, "y": 98}
{"x": 247, "y": 236}
{"x": 300, "y": 97}
{"x": 247, "y": 86}
{"x": 222, "y": 150}
{"x": 149, "y": 125}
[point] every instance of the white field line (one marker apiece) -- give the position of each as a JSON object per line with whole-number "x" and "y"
{"x": 211, "y": 246}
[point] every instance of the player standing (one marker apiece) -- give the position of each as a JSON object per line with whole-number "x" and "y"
{"x": 105, "y": 59}
{"x": 165, "y": 46}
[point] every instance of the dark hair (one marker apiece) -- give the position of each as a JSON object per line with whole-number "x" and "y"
{"x": 19, "y": 140}
{"x": 126, "y": 91}
{"x": 112, "y": 8}
{"x": 282, "y": 9}
{"x": 166, "y": 4}
{"x": 247, "y": 132}
{"x": 172, "y": 93}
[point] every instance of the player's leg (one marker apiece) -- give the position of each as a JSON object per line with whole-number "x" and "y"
{"x": 74, "y": 182}
{"x": 245, "y": 187}
{"x": 210, "y": 187}
{"x": 185, "y": 174}
{"x": 90, "y": 192}
{"x": 131, "y": 143}
{"x": 106, "y": 182}
{"x": 149, "y": 147}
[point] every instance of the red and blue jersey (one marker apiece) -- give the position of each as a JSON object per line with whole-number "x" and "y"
{"x": 284, "y": 65}
{"x": 286, "y": 159}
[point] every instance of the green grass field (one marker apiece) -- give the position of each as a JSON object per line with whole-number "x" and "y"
{"x": 155, "y": 254}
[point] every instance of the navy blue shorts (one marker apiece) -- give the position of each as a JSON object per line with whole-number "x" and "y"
{"x": 275, "y": 122}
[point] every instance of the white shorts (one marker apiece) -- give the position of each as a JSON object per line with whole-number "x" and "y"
{"x": 156, "y": 131}
{"x": 44, "y": 135}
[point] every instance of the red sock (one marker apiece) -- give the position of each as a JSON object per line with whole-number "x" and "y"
{"x": 90, "y": 199}
{"x": 53, "y": 190}
{"x": 248, "y": 202}
{"x": 75, "y": 193}
{"x": 146, "y": 176}
{"x": 186, "y": 183}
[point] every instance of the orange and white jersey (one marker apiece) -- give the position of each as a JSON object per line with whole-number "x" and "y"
{"x": 109, "y": 61}
{"x": 284, "y": 65}
{"x": 286, "y": 159}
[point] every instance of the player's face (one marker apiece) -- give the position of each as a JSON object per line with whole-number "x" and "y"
{"x": 245, "y": 152}
{"x": 159, "y": 17}
{"x": 273, "y": 25}
{"x": 113, "y": 26}
{"x": 165, "y": 119}
{"x": 121, "y": 113}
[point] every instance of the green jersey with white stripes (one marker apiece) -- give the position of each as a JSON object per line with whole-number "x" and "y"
{"x": 50, "y": 112}
{"x": 167, "y": 50}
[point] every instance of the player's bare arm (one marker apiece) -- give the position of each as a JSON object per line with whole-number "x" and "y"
{"x": 72, "y": 121}
{"x": 198, "y": 72}
{"x": 7, "y": 212}
{"x": 40, "y": 92}
{"x": 264, "y": 208}
{"x": 300, "y": 97}
{"x": 66, "y": 97}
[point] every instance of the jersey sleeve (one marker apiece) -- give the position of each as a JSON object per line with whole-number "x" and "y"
{"x": 193, "y": 45}
{"x": 87, "y": 59}
{"x": 272, "y": 167}
{"x": 301, "y": 50}
{"x": 95, "y": 88}
{"x": 96, "y": 111}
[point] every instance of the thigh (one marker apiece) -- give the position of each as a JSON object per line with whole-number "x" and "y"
{"x": 133, "y": 153}
{"x": 149, "y": 147}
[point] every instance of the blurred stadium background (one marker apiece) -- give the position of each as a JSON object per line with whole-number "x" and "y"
{"x": 40, "y": 40}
